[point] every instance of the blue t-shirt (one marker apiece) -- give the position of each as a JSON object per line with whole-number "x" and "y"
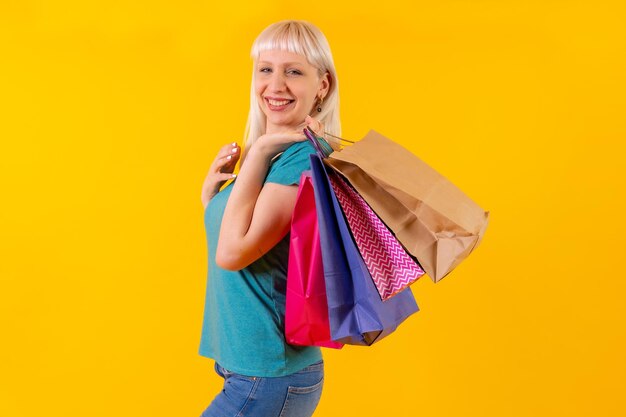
{"x": 244, "y": 313}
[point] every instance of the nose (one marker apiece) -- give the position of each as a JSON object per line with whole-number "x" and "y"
{"x": 277, "y": 82}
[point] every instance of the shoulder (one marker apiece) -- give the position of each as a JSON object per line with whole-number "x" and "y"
{"x": 287, "y": 167}
{"x": 296, "y": 154}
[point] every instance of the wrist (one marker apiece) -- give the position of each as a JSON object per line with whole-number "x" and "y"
{"x": 260, "y": 152}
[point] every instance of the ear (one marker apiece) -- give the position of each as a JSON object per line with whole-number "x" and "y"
{"x": 324, "y": 87}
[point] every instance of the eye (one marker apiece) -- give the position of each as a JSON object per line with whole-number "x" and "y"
{"x": 265, "y": 69}
{"x": 294, "y": 72}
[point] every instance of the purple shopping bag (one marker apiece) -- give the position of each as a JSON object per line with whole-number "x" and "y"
{"x": 356, "y": 312}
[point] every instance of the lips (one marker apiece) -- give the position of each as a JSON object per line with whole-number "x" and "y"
{"x": 277, "y": 104}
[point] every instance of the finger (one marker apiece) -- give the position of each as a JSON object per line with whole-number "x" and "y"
{"x": 226, "y": 163}
{"x": 315, "y": 125}
{"x": 226, "y": 154}
{"x": 311, "y": 122}
{"x": 300, "y": 138}
{"x": 230, "y": 146}
{"x": 294, "y": 137}
{"x": 230, "y": 166}
{"x": 227, "y": 176}
{"x": 288, "y": 136}
{"x": 321, "y": 130}
{"x": 230, "y": 149}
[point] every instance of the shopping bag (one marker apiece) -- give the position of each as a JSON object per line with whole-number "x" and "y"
{"x": 356, "y": 313}
{"x": 306, "y": 309}
{"x": 391, "y": 268}
{"x": 434, "y": 220}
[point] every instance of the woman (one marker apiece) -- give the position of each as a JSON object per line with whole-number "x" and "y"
{"x": 248, "y": 222}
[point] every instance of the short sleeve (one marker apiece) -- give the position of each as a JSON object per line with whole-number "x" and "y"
{"x": 288, "y": 167}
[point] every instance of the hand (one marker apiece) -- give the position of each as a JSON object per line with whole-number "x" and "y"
{"x": 221, "y": 170}
{"x": 271, "y": 144}
{"x": 315, "y": 125}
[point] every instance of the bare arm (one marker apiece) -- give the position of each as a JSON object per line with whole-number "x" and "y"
{"x": 256, "y": 216}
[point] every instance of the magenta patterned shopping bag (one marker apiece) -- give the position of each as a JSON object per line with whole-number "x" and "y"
{"x": 392, "y": 269}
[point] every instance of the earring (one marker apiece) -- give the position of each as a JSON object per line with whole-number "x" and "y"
{"x": 319, "y": 105}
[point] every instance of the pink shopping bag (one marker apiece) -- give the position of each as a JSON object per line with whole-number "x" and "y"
{"x": 306, "y": 309}
{"x": 391, "y": 267}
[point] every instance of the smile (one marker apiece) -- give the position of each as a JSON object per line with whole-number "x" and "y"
{"x": 278, "y": 105}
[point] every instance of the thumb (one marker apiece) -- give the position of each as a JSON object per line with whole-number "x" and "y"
{"x": 314, "y": 124}
{"x": 226, "y": 176}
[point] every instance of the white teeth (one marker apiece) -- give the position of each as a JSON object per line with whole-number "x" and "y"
{"x": 277, "y": 103}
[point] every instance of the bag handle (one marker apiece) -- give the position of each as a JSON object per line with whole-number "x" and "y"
{"x": 310, "y": 135}
{"x": 337, "y": 137}
{"x": 320, "y": 144}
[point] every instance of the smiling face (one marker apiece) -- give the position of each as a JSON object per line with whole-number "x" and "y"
{"x": 287, "y": 87}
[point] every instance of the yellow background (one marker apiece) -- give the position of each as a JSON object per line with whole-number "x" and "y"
{"x": 112, "y": 111}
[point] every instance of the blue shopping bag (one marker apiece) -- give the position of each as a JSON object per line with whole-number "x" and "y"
{"x": 356, "y": 313}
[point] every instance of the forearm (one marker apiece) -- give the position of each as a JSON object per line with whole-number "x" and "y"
{"x": 239, "y": 210}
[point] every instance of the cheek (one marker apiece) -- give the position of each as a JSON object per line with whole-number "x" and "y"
{"x": 306, "y": 92}
{"x": 309, "y": 90}
{"x": 259, "y": 87}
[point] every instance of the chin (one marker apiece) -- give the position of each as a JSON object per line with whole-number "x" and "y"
{"x": 284, "y": 122}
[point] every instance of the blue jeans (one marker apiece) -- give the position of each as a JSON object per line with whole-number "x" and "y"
{"x": 295, "y": 395}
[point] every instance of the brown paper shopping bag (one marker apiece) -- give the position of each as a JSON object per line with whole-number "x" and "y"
{"x": 435, "y": 221}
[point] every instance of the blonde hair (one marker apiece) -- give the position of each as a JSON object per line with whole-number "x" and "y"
{"x": 303, "y": 38}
